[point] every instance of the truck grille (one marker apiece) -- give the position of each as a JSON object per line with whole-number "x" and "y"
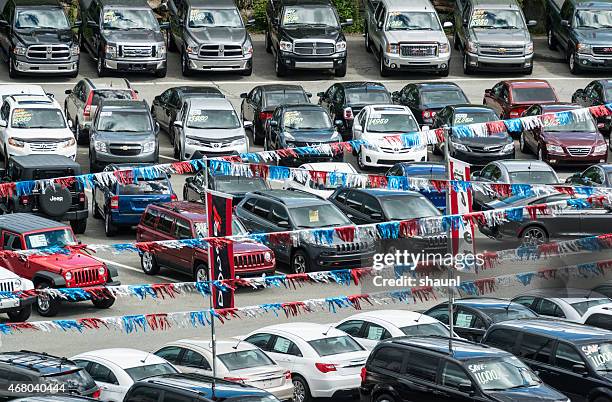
{"x": 351, "y": 247}
{"x": 221, "y": 51}
{"x": 578, "y": 151}
{"x": 87, "y": 276}
{"x": 485, "y": 148}
{"x": 42, "y": 146}
{"x": 48, "y": 52}
{"x": 418, "y": 50}
{"x": 7, "y": 286}
{"x": 501, "y": 51}
{"x": 249, "y": 260}
{"x": 136, "y": 51}
{"x": 125, "y": 149}
{"x": 606, "y": 51}
{"x": 314, "y": 48}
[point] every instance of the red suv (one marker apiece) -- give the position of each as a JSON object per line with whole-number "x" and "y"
{"x": 511, "y": 98}
{"x": 72, "y": 269}
{"x": 187, "y": 220}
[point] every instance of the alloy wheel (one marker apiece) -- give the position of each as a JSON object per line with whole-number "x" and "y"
{"x": 299, "y": 392}
{"x": 147, "y": 261}
{"x": 534, "y": 235}
{"x": 299, "y": 264}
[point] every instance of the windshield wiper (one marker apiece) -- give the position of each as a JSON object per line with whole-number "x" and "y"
{"x": 509, "y": 27}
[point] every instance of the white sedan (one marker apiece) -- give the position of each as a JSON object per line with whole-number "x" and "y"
{"x": 599, "y": 316}
{"x": 305, "y": 183}
{"x": 371, "y": 327}
{"x": 324, "y": 361}
{"x": 565, "y": 304}
{"x": 115, "y": 370}
{"x": 237, "y": 360}
{"x": 375, "y": 122}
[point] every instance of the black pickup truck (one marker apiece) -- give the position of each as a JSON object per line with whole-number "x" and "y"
{"x": 582, "y": 30}
{"x": 37, "y": 38}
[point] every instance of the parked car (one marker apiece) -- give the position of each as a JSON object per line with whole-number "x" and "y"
{"x": 20, "y": 308}
{"x": 599, "y": 175}
{"x": 604, "y": 288}
{"x": 285, "y": 210}
{"x": 258, "y": 105}
{"x": 54, "y": 398}
{"x": 194, "y": 188}
{"x": 510, "y": 98}
{"x": 124, "y": 35}
{"x": 344, "y": 100}
{"x": 237, "y": 361}
{"x": 371, "y": 327}
{"x": 425, "y": 99}
{"x": 324, "y": 361}
{"x": 34, "y": 124}
{"x": 37, "y": 38}
{"x": 82, "y": 101}
{"x": 407, "y": 37}
{"x": 578, "y": 142}
{"x": 196, "y": 388}
{"x": 116, "y": 370}
{"x": 570, "y": 357}
{"x": 474, "y": 150}
{"x": 424, "y": 170}
{"x": 598, "y": 92}
{"x": 210, "y": 36}
{"x": 562, "y": 303}
{"x": 436, "y": 369}
{"x": 57, "y": 202}
{"x": 122, "y": 204}
{"x": 569, "y": 24}
{"x": 187, "y": 220}
{"x": 318, "y": 187}
{"x": 472, "y": 316}
{"x": 37, "y": 371}
{"x": 303, "y": 125}
{"x": 599, "y": 316}
{"x": 513, "y": 172}
{"x": 21, "y": 89}
{"x": 376, "y": 122}
{"x": 122, "y": 131}
{"x": 494, "y": 36}
{"x": 208, "y": 127}
{"x": 72, "y": 269}
{"x": 168, "y": 104}
{"x": 305, "y": 35}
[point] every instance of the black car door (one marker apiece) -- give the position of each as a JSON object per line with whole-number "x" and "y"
{"x": 194, "y": 187}
{"x": 412, "y": 99}
{"x": 564, "y": 376}
{"x": 417, "y": 382}
{"x": 273, "y": 139}
{"x": 160, "y": 107}
{"x": 535, "y": 351}
{"x": 278, "y": 218}
{"x": 5, "y": 29}
{"x": 248, "y": 107}
{"x": 452, "y": 375}
{"x": 354, "y": 208}
{"x": 326, "y": 97}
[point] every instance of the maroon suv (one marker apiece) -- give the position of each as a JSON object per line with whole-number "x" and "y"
{"x": 187, "y": 220}
{"x": 578, "y": 142}
{"x": 511, "y": 98}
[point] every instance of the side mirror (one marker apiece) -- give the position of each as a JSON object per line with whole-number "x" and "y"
{"x": 320, "y": 94}
{"x": 243, "y": 95}
{"x": 69, "y": 123}
{"x": 447, "y": 24}
{"x": 3, "y": 123}
{"x": 273, "y": 123}
{"x": 77, "y": 24}
{"x": 475, "y": 175}
{"x": 283, "y": 224}
{"x": 156, "y": 127}
{"x": 347, "y": 22}
{"x": 177, "y": 123}
{"x": 379, "y": 24}
{"x": 579, "y": 369}
{"x": 164, "y": 25}
{"x": 309, "y": 94}
{"x": 532, "y": 23}
{"x": 339, "y": 123}
{"x": 488, "y": 91}
{"x": 465, "y": 387}
{"x": 425, "y": 128}
{"x": 250, "y": 22}
{"x": 68, "y": 91}
{"x": 565, "y": 23}
{"x": 247, "y": 124}
{"x": 92, "y": 24}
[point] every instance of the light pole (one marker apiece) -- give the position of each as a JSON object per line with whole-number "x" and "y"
{"x": 449, "y": 244}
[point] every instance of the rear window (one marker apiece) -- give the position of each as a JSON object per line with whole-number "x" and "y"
{"x": 510, "y": 313}
{"x": 533, "y": 95}
{"x": 435, "y": 328}
{"x": 120, "y": 94}
{"x": 533, "y": 177}
{"x": 335, "y": 345}
{"x": 361, "y": 96}
{"x": 140, "y": 372}
{"x": 245, "y": 359}
{"x": 78, "y": 380}
{"x": 157, "y": 186}
{"x": 582, "y": 307}
{"x": 442, "y": 98}
{"x": 285, "y": 98}
{"x": 240, "y": 185}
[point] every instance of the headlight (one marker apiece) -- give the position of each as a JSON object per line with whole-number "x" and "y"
{"x": 161, "y": 50}
{"x": 554, "y": 148}
{"x": 68, "y": 276}
{"x": 191, "y": 141}
{"x": 288, "y": 136}
{"x": 372, "y": 146}
{"x": 239, "y": 142}
{"x": 17, "y": 283}
{"x": 268, "y": 256}
{"x": 600, "y": 149}
{"x": 247, "y": 47}
{"x": 15, "y": 142}
{"x": 111, "y": 50}
{"x": 68, "y": 143}
{"x": 444, "y": 48}
{"x": 148, "y": 147}
{"x": 508, "y": 148}
{"x": 459, "y": 147}
{"x": 340, "y": 46}
{"x": 529, "y": 48}
{"x": 285, "y": 46}
{"x": 100, "y": 146}
{"x": 583, "y": 48}
{"x": 393, "y": 48}
{"x": 192, "y": 49}
{"x": 472, "y": 47}
{"x": 101, "y": 271}
{"x": 75, "y": 50}
{"x": 20, "y": 50}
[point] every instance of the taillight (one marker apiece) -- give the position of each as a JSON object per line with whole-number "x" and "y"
{"x": 24, "y": 200}
{"x": 114, "y": 202}
{"x": 348, "y": 113}
{"x": 287, "y": 375}
{"x": 82, "y": 197}
{"x": 134, "y": 95}
{"x": 517, "y": 112}
{"x": 235, "y": 379}
{"x": 428, "y": 114}
{"x": 173, "y": 197}
{"x": 363, "y": 374}
{"x": 96, "y": 394}
{"x": 265, "y": 115}
{"x": 87, "y": 109}
{"x": 325, "y": 367}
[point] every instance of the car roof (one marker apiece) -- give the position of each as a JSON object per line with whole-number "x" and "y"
{"x": 32, "y": 100}
{"x": 292, "y": 198}
{"x": 40, "y": 362}
{"x": 362, "y": 84}
{"x": 487, "y": 302}
{"x": 461, "y": 349}
{"x": 189, "y": 91}
{"x": 16, "y": 89}
{"x": 124, "y": 104}
{"x": 127, "y": 3}
{"x": 222, "y": 346}
{"x": 424, "y": 167}
{"x": 31, "y": 3}
{"x": 190, "y": 210}
{"x": 601, "y": 309}
{"x": 307, "y": 331}
{"x": 386, "y": 193}
{"x": 563, "y": 293}
{"x": 123, "y": 357}
{"x": 528, "y": 83}
{"x": 412, "y": 5}
{"x": 210, "y": 103}
{"x": 466, "y": 108}
{"x": 38, "y": 161}
{"x": 559, "y": 329}
{"x": 23, "y": 223}
{"x": 436, "y": 85}
{"x": 280, "y": 87}
{"x": 516, "y": 165}
{"x": 558, "y": 107}
{"x": 389, "y": 108}
{"x": 301, "y": 106}
{"x": 497, "y": 4}
{"x": 212, "y": 3}
{"x": 399, "y": 318}
{"x": 108, "y": 83}
{"x": 202, "y": 385}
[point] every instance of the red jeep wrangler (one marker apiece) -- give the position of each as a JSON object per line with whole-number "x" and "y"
{"x": 187, "y": 220}
{"x": 75, "y": 269}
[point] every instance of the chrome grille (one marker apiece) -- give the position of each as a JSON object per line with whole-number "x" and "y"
{"x": 579, "y": 151}
{"x": 125, "y": 149}
{"x": 136, "y": 51}
{"x": 220, "y": 50}
{"x": 606, "y": 51}
{"x": 418, "y": 50}
{"x": 48, "y": 52}
{"x": 351, "y": 247}
{"x": 249, "y": 260}
{"x": 485, "y": 148}
{"x": 7, "y": 286}
{"x": 501, "y": 51}
{"x": 314, "y": 48}
{"x": 42, "y": 146}
{"x": 435, "y": 241}
{"x": 87, "y": 276}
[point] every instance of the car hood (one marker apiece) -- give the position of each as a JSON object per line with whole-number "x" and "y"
{"x": 218, "y": 35}
{"x": 62, "y": 262}
{"x": 145, "y": 36}
{"x": 303, "y": 32}
{"x": 315, "y": 136}
{"x": 501, "y": 37}
{"x": 215, "y": 135}
{"x": 123, "y": 137}
{"x": 246, "y": 247}
{"x": 479, "y": 141}
{"x": 594, "y": 36}
{"x": 6, "y": 274}
{"x": 416, "y": 36}
{"x": 528, "y": 394}
{"x": 41, "y": 133}
{"x": 44, "y": 36}
{"x": 573, "y": 138}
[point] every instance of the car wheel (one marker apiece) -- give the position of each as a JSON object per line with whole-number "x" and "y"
{"x": 573, "y": 64}
{"x": 367, "y": 42}
{"x": 161, "y": 73}
{"x": 95, "y": 208}
{"x": 522, "y": 145}
{"x": 445, "y": 72}
{"x": 280, "y": 69}
{"x": 534, "y": 235}
{"x": 20, "y": 315}
{"x": 79, "y": 226}
{"x": 247, "y": 72}
{"x": 266, "y": 144}
{"x": 301, "y": 391}
{"x": 187, "y": 72}
{"x": 46, "y": 305}
{"x": 467, "y": 69}
{"x": 384, "y": 398}
{"x": 268, "y": 43}
{"x": 550, "y": 37}
{"x": 103, "y": 303}
{"x": 12, "y": 70}
{"x": 601, "y": 399}
{"x": 109, "y": 227}
{"x": 540, "y": 154}
{"x": 149, "y": 264}
{"x": 456, "y": 41}
{"x": 100, "y": 67}
{"x": 384, "y": 71}
{"x": 300, "y": 262}
{"x": 201, "y": 273}
{"x": 340, "y": 71}
{"x": 171, "y": 43}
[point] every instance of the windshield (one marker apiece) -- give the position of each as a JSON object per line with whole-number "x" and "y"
{"x": 499, "y": 374}
{"x": 201, "y": 229}
{"x": 124, "y": 121}
{"x": 599, "y": 356}
{"x": 37, "y": 118}
{"x": 533, "y": 95}
{"x": 240, "y": 185}
{"x": 140, "y": 372}
{"x": 335, "y": 345}
{"x": 155, "y": 186}
{"x": 123, "y": 18}
{"x": 391, "y": 122}
{"x": 76, "y": 380}
{"x": 245, "y": 359}
{"x": 593, "y": 19}
{"x": 362, "y": 96}
{"x": 210, "y": 119}
{"x": 533, "y": 177}
{"x": 41, "y": 18}
{"x": 52, "y": 238}
{"x": 497, "y": 19}
{"x": 317, "y": 16}
{"x": 461, "y": 119}
{"x": 318, "y": 216}
{"x": 229, "y": 17}
{"x": 513, "y": 312}
{"x": 434, "y": 328}
{"x": 306, "y": 119}
{"x": 553, "y": 125}
{"x": 411, "y": 21}
{"x": 443, "y": 98}
{"x": 120, "y": 94}
{"x": 583, "y": 306}
{"x": 408, "y": 207}
{"x": 285, "y": 98}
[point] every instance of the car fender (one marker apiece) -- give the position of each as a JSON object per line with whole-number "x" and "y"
{"x": 380, "y": 389}
{"x": 599, "y": 391}
{"x": 56, "y": 280}
{"x": 112, "y": 271}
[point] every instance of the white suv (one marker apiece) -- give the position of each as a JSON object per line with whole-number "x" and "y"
{"x": 18, "y": 309}
{"x": 35, "y": 124}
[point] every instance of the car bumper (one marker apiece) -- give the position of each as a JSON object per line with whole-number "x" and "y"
{"x": 334, "y": 386}
{"x": 334, "y": 260}
{"x": 294, "y": 61}
{"x": 106, "y": 158}
{"x": 481, "y": 159}
{"x": 69, "y": 152}
{"x": 125, "y": 219}
{"x": 592, "y": 62}
{"x": 386, "y": 159}
{"x": 197, "y": 151}
{"x": 399, "y": 63}
{"x": 74, "y": 215}
{"x": 69, "y": 66}
{"x": 489, "y": 63}
{"x": 245, "y": 272}
{"x": 16, "y": 304}
{"x": 554, "y": 159}
{"x": 220, "y": 64}
{"x": 282, "y": 393}
{"x": 135, "y": 65}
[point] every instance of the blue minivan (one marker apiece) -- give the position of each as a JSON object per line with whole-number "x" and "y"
{"x": 424, "y": 170}
{"x": 121, "y": 205}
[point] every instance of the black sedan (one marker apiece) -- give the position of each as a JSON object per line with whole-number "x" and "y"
{"x": 599, "y": 175}
{"x": 257, "y": 106}
{"x": 598, "y": 92}
{"x": 236, "y": 186}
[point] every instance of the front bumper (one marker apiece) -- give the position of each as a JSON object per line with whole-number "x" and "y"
{"x": 429, "y": 63}
{"x": 566, "y": 159}
{"x": 16, "y": 304}
{"x": 481, "y": 159}
{"x": 199, "y": 151}
{"x": 220, "y": 63}
{"x": 135, "y": 65}
{"x": 489, "y": 63}
{"x": 69, "y": 152}
{"x": 319, "y": 62}
{"x": 106, "y": 158}
{"x": 335, "y": 260}
{"x": 385, "y": 159}
{"x": 592, "y": 62}
{"x": 66, "y": 66}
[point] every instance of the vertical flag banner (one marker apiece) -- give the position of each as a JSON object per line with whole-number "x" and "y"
{"x": 221, "y": 251}
{"x": 462, "y": 237}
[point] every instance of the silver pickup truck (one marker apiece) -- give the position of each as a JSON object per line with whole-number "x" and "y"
{"x": 406, "y": 36}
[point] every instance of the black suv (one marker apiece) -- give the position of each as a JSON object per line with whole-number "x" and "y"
{"x": 305, "y": 34}
{"x": 38, "y": 38}
{"x": 575, "y": 359}
{"x": 285, "y": 210}
{"x": 344, "y": 100}
{"x": 433, "y": 369}
{"x": 39, "y": 370}
{"x": 236, "y": 186}
{"x": 56, "y": 202}
{"x": 598, "y": 92}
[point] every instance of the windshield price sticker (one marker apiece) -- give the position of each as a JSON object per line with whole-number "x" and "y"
{"x": 464, "y": 320}
{"x": 38, "y": 241}
{"x": 550, "y": 120}
{"x": 596, "y": 355}
{"x": 483, "y": 375}
{"x": 292, "y": 118}
{"x": 110, "y": 16}
{"x": 198, "y": 15}
{"x": 21, "y": 116}
{"x": 379, "y": 122}
{"x": 291, "y": 16}
{"x": 463, "y": 118}
{"x": 313, "y": 215}
{"x": 282, "y": 345}
{"x": 198, "y": 117}
{"x": 106, "y": 114}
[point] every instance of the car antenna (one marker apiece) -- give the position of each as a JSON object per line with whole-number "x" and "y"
{"x": 145, "y": 358}
{"x": 328, "y": 329}
{"x": 422, "y": 313}
{"x": 235, "y": 347}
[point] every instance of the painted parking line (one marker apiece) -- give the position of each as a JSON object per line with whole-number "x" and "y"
{"x": 168, "y": 158}
{"x": 132, "y": 268}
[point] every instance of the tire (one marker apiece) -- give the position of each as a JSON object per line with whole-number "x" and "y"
{"x": 20, "y": 315}
{"x": 101, "y": 70}
{"x": 79, "y": 135}
{"x": 550, "y": 38}
{"x": 523, "y": 145}
{"x": 75, "y": 73}
{"x": 280, "y": 69}
{"x": 94, "y": 208}
{"x": 384, "y": 398}
{"x": 185, "y": 70}
{"x": 103, "y": 303}
{"x": 534, "y": 235}
{"x": 149, "y": 264}
{"x": 456, "y": 41}
{"x": 300, "y": 262}
{"x": 201, "y": 273}
{"x": 367, "y": 42}
{"x": 13, "y": 73}
{"x": 161, "y": 73}
{"x": 540, "y": 154}
{"x": 171, "y": 43}
{"x": 109, "y": 227}
{"x": 445, "y": 72}
{"x": 574, "y": 67}
{"x": 247, "y": 72}
{"x": 45, "y": 305}
{"x": 301, "y": 391}
{"x": 268, "y": 43}
{"x": 467, "y": 70}
{"x": 528, "y": 71}
{"x": 383, "y": 70}
{"x": 340, "y": 71}
{"x": 79, "y": 226}
{"x": 257, "y": 139}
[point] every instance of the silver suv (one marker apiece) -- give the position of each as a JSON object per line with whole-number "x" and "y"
{"x": 406, "y": 36}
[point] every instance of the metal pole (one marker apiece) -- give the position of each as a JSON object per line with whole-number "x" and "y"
{"x": 451, "y": 294}
{"x": 211, "y": 301}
